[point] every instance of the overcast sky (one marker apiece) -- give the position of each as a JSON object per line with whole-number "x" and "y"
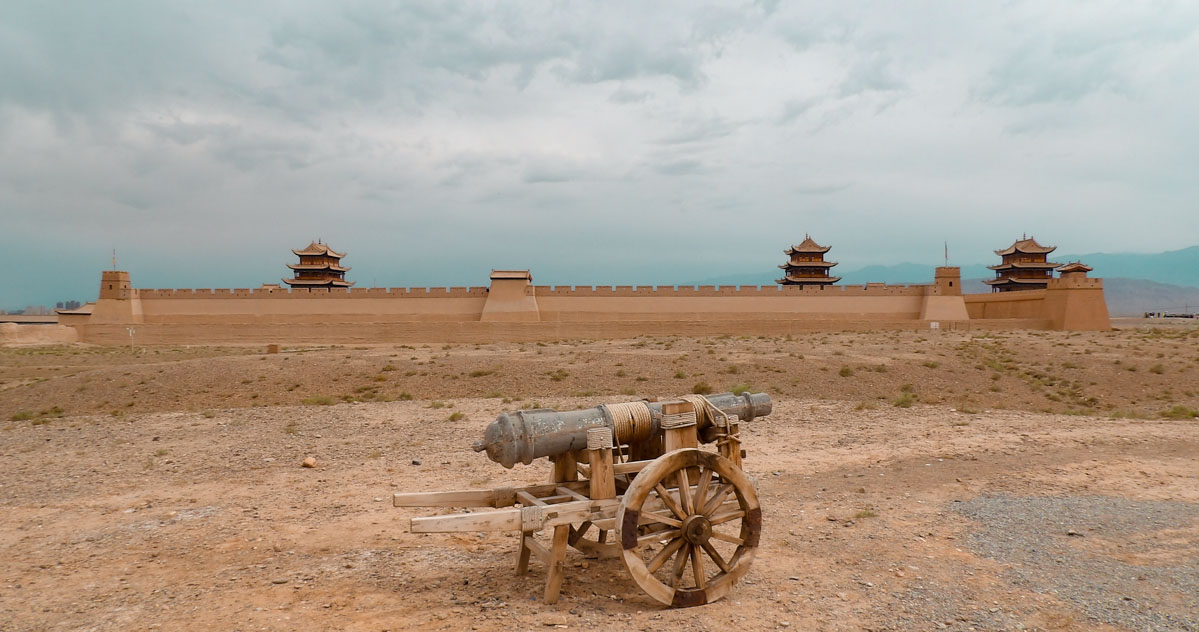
{"x": 634, "y": 142}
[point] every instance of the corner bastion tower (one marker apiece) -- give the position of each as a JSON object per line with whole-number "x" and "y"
{"x": 1025, "y": 266}
{"x": 319, "y": 267}
{"x": 807, "y": 265}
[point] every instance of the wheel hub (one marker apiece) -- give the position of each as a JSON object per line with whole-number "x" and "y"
{"x": 697, "y": 529}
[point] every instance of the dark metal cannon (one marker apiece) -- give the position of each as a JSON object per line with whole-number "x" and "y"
{"x": 524, "y": 435}
{"x": 649, "y": 493}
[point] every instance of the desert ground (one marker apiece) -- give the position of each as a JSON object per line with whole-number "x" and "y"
{"x": 909, "y": 481}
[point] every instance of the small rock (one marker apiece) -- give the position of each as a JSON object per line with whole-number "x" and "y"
{"x": 553, "y": 619}
{"x": 1074, "y": 533}
{"x": 416, "y": 461}
{"x": 279, "y": 580}
{"x": 309, "y": 462}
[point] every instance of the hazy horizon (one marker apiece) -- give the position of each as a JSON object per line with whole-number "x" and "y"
{"x": 590, "y": 143}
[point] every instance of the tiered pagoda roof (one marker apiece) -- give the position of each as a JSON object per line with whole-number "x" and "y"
{"x": 1024, "y": 266}
{"x": 807, "y": 245}
{"x": 317, "y": 248}
{"x": 319, "y": 266}
{"x": 806, "y": 265}
{"x": 1075, "y": 266}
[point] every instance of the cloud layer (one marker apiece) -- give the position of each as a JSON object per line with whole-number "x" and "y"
{"x": 592, "y": 142}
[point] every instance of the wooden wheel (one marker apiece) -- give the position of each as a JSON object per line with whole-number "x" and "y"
{"x": 713, "y": 527}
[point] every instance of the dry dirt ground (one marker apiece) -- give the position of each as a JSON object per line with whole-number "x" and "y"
{"x": 1021, "y": 480}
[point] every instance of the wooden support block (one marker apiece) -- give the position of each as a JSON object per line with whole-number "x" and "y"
{"x": 557, "y": 564}
{"x": 599, "y": 454}
{"x": 565, "y": 468}
{"x": 677, "y": 432}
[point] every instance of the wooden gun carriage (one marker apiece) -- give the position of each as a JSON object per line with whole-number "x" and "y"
{"x": 628, "y": 480}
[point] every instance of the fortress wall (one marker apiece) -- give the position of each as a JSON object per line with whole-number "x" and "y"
{"x": 310, "y": 308}
{"x": 1024, "y": 304}
{"x": 562, "y": 303}
{"x": 283, "y": 293}
{"x": 692, "y": 305}
{"x": 484, "y": 332}
{"x": 670, "y": 291}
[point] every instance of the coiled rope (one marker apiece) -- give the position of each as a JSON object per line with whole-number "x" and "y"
{"x": 631, "y": 421}
{"x": 707, "y": 412}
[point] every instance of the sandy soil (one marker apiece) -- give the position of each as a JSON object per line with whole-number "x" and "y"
{"x": 162, "y": 488}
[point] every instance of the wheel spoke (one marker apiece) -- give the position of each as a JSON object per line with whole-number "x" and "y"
{"x": 715, "y": 555}
{"x": 651, "y": 518}
{"x": 664, "y": 554}
{"x": 680, "y": 563}
{"x": 725, "y": 517}
{"x": 727, "y": 538}
{"x": 701, "y": 488}
{"x": 681, "y": 479}
{"x": 669, "y": 501}
{"x": 697, "y": 568}
{"x": 658, "y": 536}
{"x": 717, "y": 498}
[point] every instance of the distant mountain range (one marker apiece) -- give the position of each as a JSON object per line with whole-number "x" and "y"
{"x": 1177, "y": 267}
{"x": 1133, "y": 283}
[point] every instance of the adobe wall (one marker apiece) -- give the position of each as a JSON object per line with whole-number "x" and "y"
{"x": 712, "y": 302}
{"x": 17, "y": 335}
{"x": 484, "y": 332}
{"x": 1025, "y": 304}
{"x": 1076, "y": 303}
{"x": 513, "y": 309}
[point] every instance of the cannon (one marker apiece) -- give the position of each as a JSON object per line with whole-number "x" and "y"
{"x": 524, "y": 435}
{"x": 634, "y": 471}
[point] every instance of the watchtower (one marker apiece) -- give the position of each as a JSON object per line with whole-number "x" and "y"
{"x": 1025, "y": 266}
{"x": 806, "y": 265}
{"x": 319, "y": 267}
{"x": 114, "y": 284}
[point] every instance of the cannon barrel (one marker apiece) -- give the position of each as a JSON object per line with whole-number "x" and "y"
{"x": 523, "y": 435}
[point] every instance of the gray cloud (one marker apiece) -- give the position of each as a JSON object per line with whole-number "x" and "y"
{"x": 434, "y": 141}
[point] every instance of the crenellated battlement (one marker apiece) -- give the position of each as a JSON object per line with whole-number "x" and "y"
{"x": 293, "y": 293}
{"x": 872, "y": 289}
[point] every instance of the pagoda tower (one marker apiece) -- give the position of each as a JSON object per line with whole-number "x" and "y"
{"x": 807, "y": 265}
{"x": 1025, "y": 266}
{"x": 319, "y": 267}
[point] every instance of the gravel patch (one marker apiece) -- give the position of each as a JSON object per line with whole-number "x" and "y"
{"x": 1121, "y": 562}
